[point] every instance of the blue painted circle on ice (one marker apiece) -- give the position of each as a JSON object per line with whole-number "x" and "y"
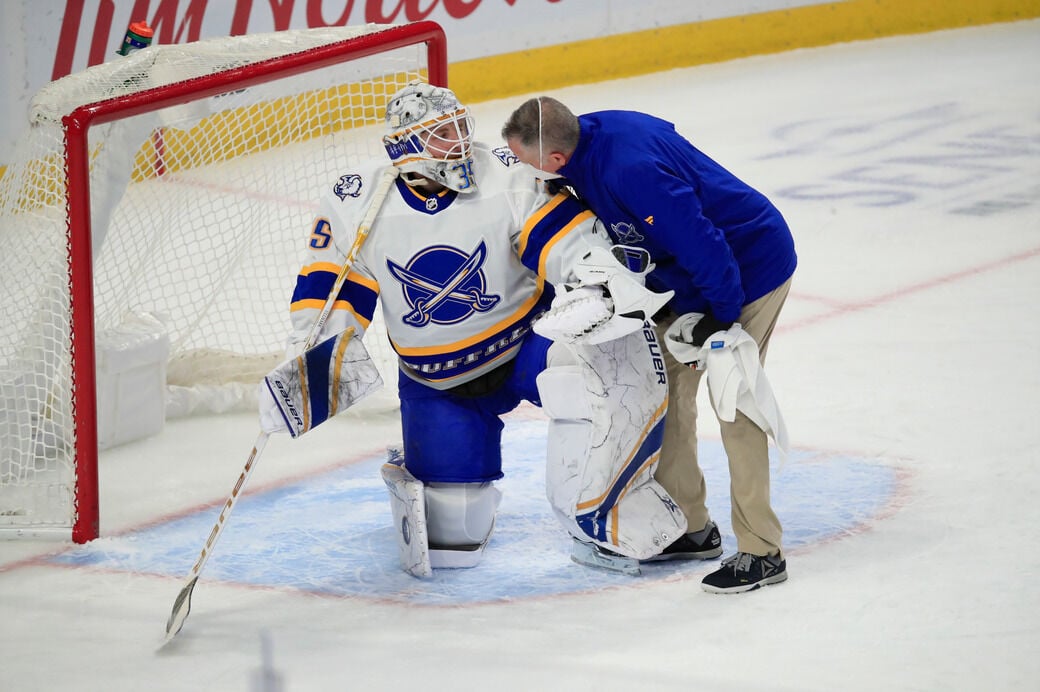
{"x": 334, "y": 534}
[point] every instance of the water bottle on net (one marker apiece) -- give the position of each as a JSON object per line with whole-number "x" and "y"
{"x": 138, "y": 36}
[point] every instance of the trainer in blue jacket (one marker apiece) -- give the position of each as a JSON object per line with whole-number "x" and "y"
{"x": 727, "y": 253}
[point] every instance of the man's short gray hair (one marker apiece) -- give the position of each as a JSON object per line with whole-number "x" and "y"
{"x": 543, "y": 122}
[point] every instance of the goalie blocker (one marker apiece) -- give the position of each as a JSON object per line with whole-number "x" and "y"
{"x": 305, "y": 391}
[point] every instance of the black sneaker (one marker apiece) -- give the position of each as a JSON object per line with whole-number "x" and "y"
{"x": 705, "y": 544}
{"x": 745, "y": 572}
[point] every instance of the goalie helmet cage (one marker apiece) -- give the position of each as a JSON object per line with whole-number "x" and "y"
{"x": 164, "y": 198}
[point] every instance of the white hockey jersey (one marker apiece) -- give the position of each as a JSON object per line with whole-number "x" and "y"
{"x": 460, "y": 277}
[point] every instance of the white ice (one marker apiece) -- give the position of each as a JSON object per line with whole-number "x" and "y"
{"x": 909, "y": 169}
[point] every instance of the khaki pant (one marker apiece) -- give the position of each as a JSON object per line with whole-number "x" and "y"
{"x": 756, "y": 527}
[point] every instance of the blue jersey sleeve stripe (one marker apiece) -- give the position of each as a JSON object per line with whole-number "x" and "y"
{"x": 543, "y": 256}
{"x": 537, "y": 218}
{"x": 313, "y": 290}
{"x": 320, "y": 267}
{"x": 316, "y": 280}
{"x": 544, "y": 229}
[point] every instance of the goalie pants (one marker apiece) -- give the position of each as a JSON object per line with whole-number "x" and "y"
{"x": 454, "y": 439}
{"x": 755, "y": 525}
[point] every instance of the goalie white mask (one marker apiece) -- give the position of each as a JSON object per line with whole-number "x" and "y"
{"x": 430, "y": 133}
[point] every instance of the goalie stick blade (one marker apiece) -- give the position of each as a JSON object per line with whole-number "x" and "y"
{"x": 589, "y": 555}
{"x": 181, "y": 608}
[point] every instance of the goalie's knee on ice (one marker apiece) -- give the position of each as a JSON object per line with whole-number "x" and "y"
{"x": 460, "y": 518}
{"x": 438, "y": 524}
{"x": 460, "y": 514}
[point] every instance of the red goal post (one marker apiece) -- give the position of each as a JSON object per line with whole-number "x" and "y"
{"x": 235, "y": 129}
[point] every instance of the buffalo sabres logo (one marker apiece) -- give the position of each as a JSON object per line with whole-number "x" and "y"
{"x": 626, "y": 232}
{"x": 444, "y": 285}
{"x": 505, "y": 155}
{"x": 348, "y": 186}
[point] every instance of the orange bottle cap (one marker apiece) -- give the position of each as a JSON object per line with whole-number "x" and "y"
{"x": 141, "y": 29}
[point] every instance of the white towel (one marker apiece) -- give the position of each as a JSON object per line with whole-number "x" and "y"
{"x": 735, "y": 376}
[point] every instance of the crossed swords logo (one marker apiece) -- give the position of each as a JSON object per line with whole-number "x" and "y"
{"x": 425, "y": 294}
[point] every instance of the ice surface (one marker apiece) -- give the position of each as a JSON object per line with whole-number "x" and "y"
{"x": 906, "y": 363}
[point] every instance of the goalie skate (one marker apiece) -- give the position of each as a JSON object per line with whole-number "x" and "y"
{"x": 591, "y": 555}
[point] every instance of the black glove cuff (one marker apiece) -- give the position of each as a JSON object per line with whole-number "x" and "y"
{"x": 707, "y": 326}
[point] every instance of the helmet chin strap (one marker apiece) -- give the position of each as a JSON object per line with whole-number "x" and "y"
{"x": 422, "y": 184}
{"x": 413, "y": 179}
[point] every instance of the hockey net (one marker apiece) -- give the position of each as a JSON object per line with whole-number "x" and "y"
{"x": 157, "y": 210}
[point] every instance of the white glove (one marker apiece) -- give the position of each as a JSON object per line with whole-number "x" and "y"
{"x": 595, "y": 314}
{"x": 575, "y": 314}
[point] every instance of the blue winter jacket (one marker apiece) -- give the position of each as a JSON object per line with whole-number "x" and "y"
{"x": 717, "y": 242}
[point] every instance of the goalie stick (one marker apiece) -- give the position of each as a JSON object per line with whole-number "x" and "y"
{"x": 182, "y": 604}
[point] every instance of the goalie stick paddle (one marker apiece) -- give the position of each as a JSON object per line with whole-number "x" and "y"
{"x": 182, "y": 604}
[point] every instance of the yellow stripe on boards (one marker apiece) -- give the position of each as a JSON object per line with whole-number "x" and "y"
{"x": 685, "y": 45}
{"x": 580, "y": 62}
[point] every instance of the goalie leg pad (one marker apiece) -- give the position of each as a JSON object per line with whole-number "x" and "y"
{"x": 408, "y": 504}
{"x": 460, "y": 519}
{"x": 605, "y": 431}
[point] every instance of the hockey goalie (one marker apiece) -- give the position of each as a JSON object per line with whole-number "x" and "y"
{"x": 494, "y": 292}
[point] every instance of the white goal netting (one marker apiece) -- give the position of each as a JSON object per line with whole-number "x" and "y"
{"x": 198, "y": 216}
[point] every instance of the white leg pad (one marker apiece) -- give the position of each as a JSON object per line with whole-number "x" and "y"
{"x": 408, "y": 504}
{"x": 607, "y": 416}
{"x": 460, "y": 519}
